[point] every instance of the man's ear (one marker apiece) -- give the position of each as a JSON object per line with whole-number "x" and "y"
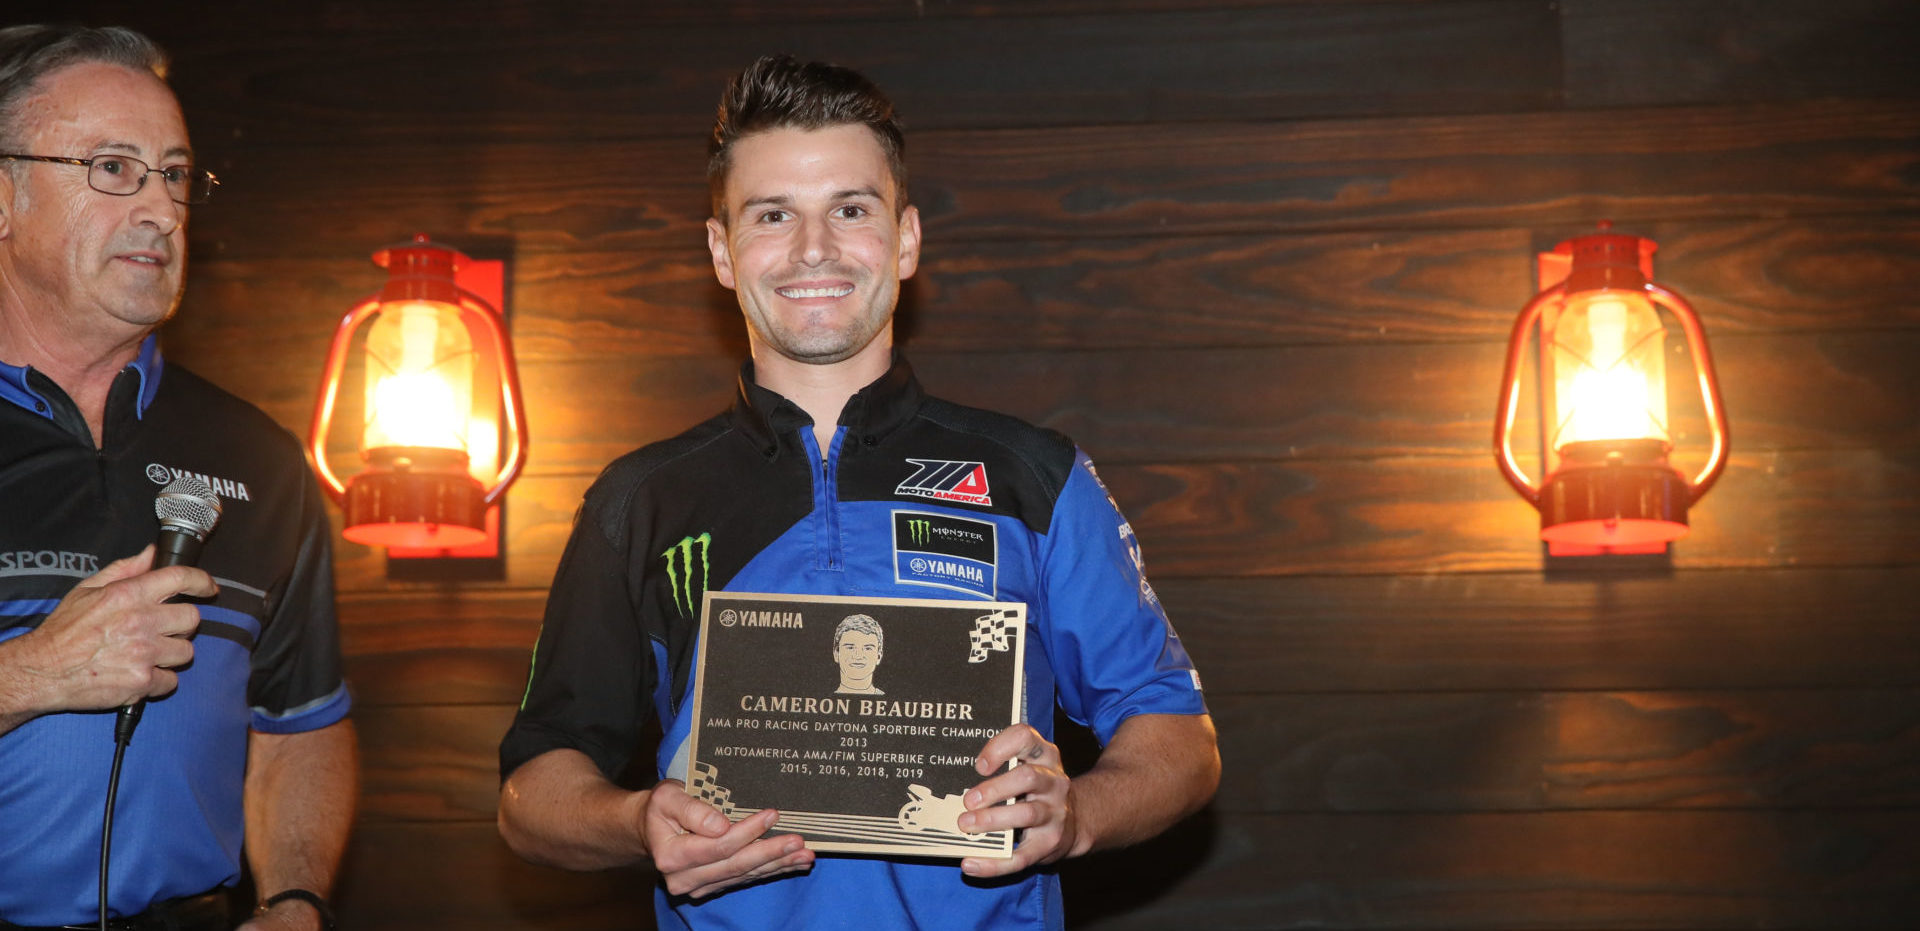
{"x": 722, "y": 255}
{"x": 909, "y": 241}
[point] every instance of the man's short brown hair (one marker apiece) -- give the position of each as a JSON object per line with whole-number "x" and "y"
{"x": 779, "y": 92}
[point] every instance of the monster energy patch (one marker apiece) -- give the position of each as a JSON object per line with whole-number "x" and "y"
{"x": 687, "y": 572}
{"x": 941, "y": 551}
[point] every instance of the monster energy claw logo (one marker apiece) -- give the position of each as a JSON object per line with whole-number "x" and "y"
{"x": 922, "y": 530}
{"x": 679, "y": 559}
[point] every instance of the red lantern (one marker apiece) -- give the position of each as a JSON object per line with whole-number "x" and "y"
{"x": 441, "y": 390}
{"x": 1609, "y": 487}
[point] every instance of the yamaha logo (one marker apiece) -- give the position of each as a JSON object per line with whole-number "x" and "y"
{"x": 729, "y": 617}
{"x": 224, "y": 487}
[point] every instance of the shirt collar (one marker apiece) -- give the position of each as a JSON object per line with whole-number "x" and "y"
{"x": 874, "y": 411}
{"x": 16, "y": 389}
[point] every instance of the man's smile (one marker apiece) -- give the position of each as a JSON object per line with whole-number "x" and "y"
{"x": 797, "y": 293}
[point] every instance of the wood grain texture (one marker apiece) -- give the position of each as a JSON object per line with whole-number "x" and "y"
{"x": 1599, "y": 629}
{"x": 1399, "y": 515}
{"x": 1192, "y": 292}
{"x": 1783, "y": 391}
{"x": 1640, "y": 870}
{"x": 461, "y": 875}
{"x": 1372, "y": 752}
{"x": 603, "y": 71}
{"x": 1528, "y": 751}
{"x": 1260, "y": 259}
{"x": 1555, "y": 870}
{"x": 1406, "y": 515}
{"x": 1602, "y": 630}
{"x": 1832, "y": 158}
{"x": 1647, "y": 52}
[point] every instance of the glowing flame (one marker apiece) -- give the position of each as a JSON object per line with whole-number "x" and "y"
{"x": 425, "y": 396}
{"x": 1609, "y": 374}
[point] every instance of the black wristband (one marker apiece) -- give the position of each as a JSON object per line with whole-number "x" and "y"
{"x": 311, "y": 898}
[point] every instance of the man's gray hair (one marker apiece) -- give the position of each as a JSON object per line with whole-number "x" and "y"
{"x": 29, "y": 53}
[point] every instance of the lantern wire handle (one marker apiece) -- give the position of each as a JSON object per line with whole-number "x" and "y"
{"x": 1716, "y": 409}
{"x": 323, "y": 412}
{"x": 1510, "y": 394}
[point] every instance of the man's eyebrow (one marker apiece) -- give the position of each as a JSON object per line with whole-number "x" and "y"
{"x": 770, "y": 200}
{"x": 179, "y": 151}
{"x": 858, "y": 192}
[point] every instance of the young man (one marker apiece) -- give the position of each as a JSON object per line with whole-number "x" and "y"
{"x": 858, "y": 647}
{"x": 244, "y": 733}
{"x": 801, "y": 488}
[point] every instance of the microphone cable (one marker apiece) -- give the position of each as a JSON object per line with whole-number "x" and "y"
{"x": 188, "y": 510}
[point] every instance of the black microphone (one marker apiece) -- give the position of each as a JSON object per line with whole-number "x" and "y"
{"x": 188, "y": 509}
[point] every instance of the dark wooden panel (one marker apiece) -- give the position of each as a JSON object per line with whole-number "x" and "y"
{"x": 1561, "y": 870}
{"x": 1438, "y": 515}
{"x": 461, "y": 875}
{"x": 1414, "y": 514}
{"x": 1401, "y": 752}
{"x": 1526, "y": 751}
{"x": 224, "y": 21}
{"x": 454, "y": 646}
{"x": 1179, "y": 291}
{"x": 1575, "y": 871}
{"x": 227, "y": 19}
{"x": 1608, "y": 630}
{"x": 333, "y": 76}
{"x": 430, "y": 762}
{"x": 1597, "y": 629}
{"x": 1849, "y": 390}
{"x": 1649, "y": 52}
{"x": 1534, "y": 169}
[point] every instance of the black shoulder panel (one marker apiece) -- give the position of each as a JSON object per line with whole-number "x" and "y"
{"x": 610, "y": 498}
{"x": 1025, "y": 466}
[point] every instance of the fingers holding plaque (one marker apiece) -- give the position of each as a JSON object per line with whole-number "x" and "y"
{"x": 858, "y": 718}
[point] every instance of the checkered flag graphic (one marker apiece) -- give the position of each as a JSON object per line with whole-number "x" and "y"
{"x": 990, "y": 632}
{"x": 704, "y": 785}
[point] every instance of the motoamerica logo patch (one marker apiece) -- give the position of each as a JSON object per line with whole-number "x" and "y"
{"x": 947, "y": 480}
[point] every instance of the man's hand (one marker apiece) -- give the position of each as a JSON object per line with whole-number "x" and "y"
{"x": 1043, "y": 803}
{"x": 699, "y": 852}
{"x": 112, "y": 641}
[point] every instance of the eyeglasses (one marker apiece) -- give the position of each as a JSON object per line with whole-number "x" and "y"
{"x": 123, "y": 175}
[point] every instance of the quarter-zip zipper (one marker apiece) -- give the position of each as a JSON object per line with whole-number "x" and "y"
{"x": 826, "y": 499}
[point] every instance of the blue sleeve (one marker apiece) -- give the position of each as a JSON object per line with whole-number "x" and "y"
{"x": 1113, "y": 651}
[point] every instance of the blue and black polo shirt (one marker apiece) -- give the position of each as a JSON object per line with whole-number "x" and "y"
{"x": 266, "y": 657}
{"x": 915, "y": 498}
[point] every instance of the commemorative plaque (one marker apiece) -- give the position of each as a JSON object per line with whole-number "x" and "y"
{"x": 858, "y": 718}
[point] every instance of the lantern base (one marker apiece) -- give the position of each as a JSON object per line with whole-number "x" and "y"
{"x": 1613, "y": 498}
{"x": 415, "y": 509}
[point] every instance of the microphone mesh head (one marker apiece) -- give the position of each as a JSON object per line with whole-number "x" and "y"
{"x": 188, "y": 505}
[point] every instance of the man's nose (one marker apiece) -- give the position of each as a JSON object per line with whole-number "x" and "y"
{"x": 153, "y": 208}
{"x": 815, "y": 243}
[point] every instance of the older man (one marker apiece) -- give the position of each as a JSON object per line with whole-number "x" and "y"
{"x": 810, "y": 485}
{"x": 244, "y": 734}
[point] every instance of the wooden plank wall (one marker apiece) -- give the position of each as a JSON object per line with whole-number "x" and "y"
{"x": 1260, "y": 259}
